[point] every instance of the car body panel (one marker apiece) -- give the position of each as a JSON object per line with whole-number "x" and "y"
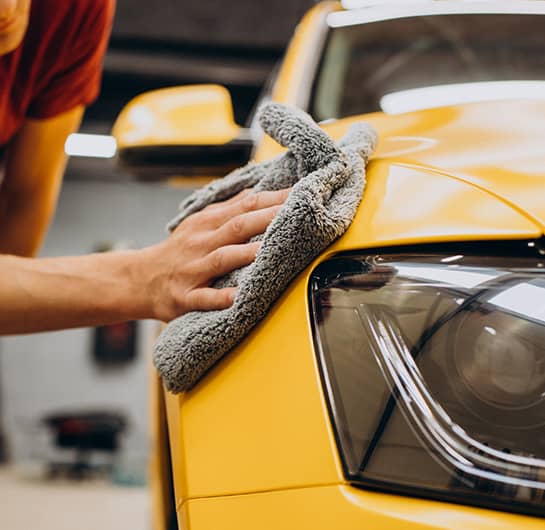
{"x": 472, "y": 143}
{"x": 222, "y": 452}
{"x": 478, "y": 143}
{"x": 327, "y": 507}
{"x": 153, "y": 118}
{"x": 219, "y": 450}
{"x": 404, "y": 205}
{"x": 235, "y": 436}
{"x": 239, "y": 460}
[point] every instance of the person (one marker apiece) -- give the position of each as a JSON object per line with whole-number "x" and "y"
{"x": 51, "y": 53}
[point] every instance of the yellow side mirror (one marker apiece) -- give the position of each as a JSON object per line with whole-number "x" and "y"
{"x": 181, "y": 131}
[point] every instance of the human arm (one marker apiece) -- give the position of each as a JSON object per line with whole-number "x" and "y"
{"x": 162, "y": 281}
{"x": 58, "y": 74}
{"x": 35, "y": 162}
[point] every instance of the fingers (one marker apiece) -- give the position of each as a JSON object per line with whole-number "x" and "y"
{"x": 210, "y": 299}
{"x": 234, "y": 198}
{"x": 216, "y": 264}
{"x": 213, "y": 243}
{"x": 243, "y": 227}
{"x": 220, "y": 213}
{"x": 257, "y": 201}
{"x": 228, "y": 258}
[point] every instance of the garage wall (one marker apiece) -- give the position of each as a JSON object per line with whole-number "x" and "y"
{"x": 43, "y": 373}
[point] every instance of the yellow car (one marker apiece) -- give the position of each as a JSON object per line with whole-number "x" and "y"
{"x": 399, "y": 382}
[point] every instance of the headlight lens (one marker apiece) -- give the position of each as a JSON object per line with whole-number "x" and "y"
{"x": 435, "y": 372}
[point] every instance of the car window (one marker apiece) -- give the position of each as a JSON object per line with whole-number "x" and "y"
{"x": 364, "y": 62}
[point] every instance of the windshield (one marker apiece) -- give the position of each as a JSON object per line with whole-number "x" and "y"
{"x": 420, "y": 62}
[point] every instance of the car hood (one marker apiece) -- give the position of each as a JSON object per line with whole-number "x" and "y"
{"x": 467, "y": 172}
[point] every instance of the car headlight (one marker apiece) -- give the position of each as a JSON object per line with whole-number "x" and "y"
{"x": 434, "y": 367}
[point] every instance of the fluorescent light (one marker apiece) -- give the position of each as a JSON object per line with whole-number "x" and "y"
{"x": 459, "y": 93}
{"x": 359, "y": 4}
{"x": 392, "y": 10}
{"x": 92, "y": 145}
{"x": 524, "y": 298}
{"x": 450, "y": 259}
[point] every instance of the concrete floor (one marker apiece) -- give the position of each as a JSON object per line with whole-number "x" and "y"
{"x": 67, "y": 505}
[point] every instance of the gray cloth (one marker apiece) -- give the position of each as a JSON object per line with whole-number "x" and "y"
{"x": 328, "y": 181}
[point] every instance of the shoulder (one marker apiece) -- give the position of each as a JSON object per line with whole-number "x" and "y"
{"x": 64, "y": 48}
{"x": 91, "y": 19}
{"x": 92, "y": 12}
{"x": 54, "y": 8}
{"x": 62, "y": 30}
{"x": 70, "y": 17}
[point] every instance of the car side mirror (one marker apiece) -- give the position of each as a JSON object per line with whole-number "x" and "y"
{"x": 183, "y": 131}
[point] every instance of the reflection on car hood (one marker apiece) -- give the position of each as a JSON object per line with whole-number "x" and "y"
{"x": 474, "y": 171}
{"x": 467, "y": 172}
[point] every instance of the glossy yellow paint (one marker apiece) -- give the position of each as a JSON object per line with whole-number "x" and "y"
{"x": 342, "y": 507}
{"x": 186, "y": 115}
{"x": 252, "y": 445}
{"x": 257, "y": 421}
{"x": 494, "y": 146}
{"x": 404, "y": 205}
{"x": 426, "y": 185}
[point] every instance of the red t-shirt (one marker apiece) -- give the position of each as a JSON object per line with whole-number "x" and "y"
{"x": 58, "y": 65}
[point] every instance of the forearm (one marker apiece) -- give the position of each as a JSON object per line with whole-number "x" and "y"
{"x": 34, "y": 165}
{"x": 56, "y": 293}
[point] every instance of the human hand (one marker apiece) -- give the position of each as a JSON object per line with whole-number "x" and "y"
{"x": 178, "y": 272}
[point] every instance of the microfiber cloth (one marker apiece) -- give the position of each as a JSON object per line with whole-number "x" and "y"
{"x": 327, "y": 181}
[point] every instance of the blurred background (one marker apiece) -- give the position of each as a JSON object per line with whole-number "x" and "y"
{"x": 57, "y": 389}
